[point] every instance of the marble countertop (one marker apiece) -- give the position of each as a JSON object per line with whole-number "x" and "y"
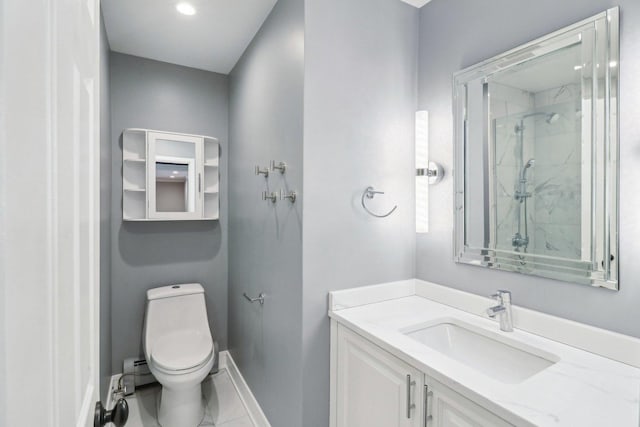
{"x": 581, "y": 389}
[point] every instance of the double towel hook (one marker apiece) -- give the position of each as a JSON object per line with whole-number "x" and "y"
{"x": 370, "y": 193}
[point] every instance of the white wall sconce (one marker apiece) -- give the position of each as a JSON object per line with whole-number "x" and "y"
{"x": 426, "y": 172}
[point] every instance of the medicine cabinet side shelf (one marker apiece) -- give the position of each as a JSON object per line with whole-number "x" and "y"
{"x": 135, "y": 176}
{"x": 211, "y": 174}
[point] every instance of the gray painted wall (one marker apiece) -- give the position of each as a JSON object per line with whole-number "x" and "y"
{"x": 265, "y": 244}
{"x": 360, "y": 100}
{"x": 105, "y": 215}
{"x": 455, "y": 34}
{"x": 157, "y": 95}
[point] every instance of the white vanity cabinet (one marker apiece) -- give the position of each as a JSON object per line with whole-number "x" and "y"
{"x": 447, "y": 408}
{"x": 169, "y": 176}
{"x": 373, "y": 388}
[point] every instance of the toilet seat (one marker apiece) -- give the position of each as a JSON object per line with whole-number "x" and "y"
{"x": 181, "y": 351}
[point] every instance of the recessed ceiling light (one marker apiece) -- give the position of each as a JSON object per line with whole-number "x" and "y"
{"x": 176, "y": 172}
{"x": 171, "y": 176}
{"x": 186, "y": 9}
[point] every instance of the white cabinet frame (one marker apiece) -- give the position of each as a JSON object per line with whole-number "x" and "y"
{"x": 139, "y": 176}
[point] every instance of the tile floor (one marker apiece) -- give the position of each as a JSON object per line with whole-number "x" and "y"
{"x": 224, "y": 406}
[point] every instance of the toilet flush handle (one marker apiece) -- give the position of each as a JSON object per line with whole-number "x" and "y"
{"x": 260, "y": 298}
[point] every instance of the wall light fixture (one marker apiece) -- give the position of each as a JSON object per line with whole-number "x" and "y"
{"x": 426, "y": 172}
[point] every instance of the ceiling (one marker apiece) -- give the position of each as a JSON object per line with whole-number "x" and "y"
{"x": 213, "y": 39}
{"x": 417, "y": 3}
{"x": 172, "y": 172}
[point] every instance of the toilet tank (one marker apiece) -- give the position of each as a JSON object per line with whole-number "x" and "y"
{"x": 173, "y": 308}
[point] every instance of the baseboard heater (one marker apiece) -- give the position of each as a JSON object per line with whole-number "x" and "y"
{"x": 136, "y": 373}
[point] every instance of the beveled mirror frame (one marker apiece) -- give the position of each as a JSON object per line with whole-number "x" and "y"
{"x": 601, "y": 267}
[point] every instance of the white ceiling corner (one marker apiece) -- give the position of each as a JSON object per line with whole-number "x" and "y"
{"x": 213, "y": 39}
{"x": 417, "y": 3}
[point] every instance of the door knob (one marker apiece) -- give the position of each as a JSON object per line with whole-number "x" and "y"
{"x": 118, "y": 415}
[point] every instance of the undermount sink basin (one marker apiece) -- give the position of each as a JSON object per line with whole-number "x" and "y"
{"x": 491, "y": 354}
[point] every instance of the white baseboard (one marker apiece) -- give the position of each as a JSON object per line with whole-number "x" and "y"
{"x": 247, "y": 397}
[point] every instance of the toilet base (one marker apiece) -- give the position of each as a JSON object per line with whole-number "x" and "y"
{"x": 181, "y": 408}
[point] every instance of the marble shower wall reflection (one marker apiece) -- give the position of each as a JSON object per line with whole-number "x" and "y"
{"x": 537, "y": 209}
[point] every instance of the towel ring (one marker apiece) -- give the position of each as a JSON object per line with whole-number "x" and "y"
{"x": 370, "y": 193}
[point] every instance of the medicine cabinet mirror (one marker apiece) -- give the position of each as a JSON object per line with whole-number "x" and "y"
{"x": 536, "y": 157}
{"x": 169, "y": 176}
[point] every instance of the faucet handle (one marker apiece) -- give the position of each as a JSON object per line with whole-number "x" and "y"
{"x": 503, "y": 296}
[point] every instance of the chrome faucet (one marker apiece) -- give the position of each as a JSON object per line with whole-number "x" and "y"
{"x": 503, "y": 310}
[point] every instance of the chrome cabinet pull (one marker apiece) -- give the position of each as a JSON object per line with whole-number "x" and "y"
{"x": 199, "y": 183}
{"x": 410, "y": 405}
{"x": 427, "y": 409}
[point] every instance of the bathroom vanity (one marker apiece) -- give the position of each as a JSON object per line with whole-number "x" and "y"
{"x": 413, "y": 353}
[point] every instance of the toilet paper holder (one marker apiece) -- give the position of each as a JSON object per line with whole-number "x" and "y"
{"x": 259, "y": 298}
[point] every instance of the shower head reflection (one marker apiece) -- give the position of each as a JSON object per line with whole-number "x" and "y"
{"x": 523, "y": 173}
{"x": 552, "y": 118}
{"x": 548, "y": 117}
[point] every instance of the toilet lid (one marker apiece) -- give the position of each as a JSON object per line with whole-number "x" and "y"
{"x": 181, "y": 350}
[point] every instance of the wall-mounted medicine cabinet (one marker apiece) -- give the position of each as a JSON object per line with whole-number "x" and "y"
{"x": 169, "y": 176}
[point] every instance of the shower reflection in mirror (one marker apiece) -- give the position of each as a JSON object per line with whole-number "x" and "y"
{"x": 524, "y": 184}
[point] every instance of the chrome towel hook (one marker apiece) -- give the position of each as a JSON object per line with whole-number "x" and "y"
{"x": 370, "y": 193}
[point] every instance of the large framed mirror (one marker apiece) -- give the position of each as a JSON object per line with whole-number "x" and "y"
{"x": 536, "y": 156}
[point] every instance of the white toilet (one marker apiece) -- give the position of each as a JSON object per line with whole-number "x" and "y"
{"x": 179, "y": 350}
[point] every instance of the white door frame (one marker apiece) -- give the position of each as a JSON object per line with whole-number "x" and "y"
{"x": 49, "y": 212}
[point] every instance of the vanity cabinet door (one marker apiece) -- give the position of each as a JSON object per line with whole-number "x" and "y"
{"x": 447, "y": 408}
{"x": 374, "y": 388}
